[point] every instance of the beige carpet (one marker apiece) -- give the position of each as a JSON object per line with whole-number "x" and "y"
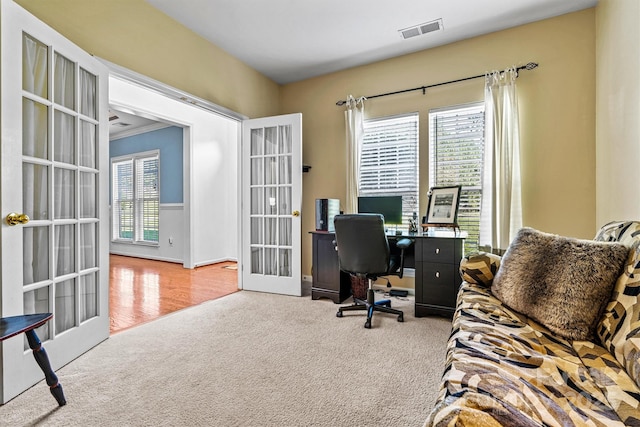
{"x": 251, "y": 359}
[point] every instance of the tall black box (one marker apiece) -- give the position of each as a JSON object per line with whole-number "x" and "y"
{"x": 326, "y": 209}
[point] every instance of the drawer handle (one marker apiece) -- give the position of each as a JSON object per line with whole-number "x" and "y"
{"x": 437, "y": 250}
{"x": 437, "y": 274}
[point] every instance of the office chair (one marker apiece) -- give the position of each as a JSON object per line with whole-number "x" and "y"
{"x": 363, "y": 251}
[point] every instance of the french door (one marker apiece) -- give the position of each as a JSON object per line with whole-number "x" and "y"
{"x": 54, "y": 150}
{"x": 271, "y": 202}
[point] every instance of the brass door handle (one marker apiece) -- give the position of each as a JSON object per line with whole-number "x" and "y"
{"x": 15, "y": 219}
{"x": 296, "y": 213}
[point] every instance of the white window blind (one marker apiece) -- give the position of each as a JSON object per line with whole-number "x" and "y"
{"x": 136, "y": 198}
{"x": 122, "y": 203}
{"x": 456, "y": 146}
{"x": 147, "y": 199}
{"x": 389, "y": 161}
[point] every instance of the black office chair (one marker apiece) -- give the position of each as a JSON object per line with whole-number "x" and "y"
{"x": 363, "y": 251}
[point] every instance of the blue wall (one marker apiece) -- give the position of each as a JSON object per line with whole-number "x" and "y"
{"x": 169, "y": 142}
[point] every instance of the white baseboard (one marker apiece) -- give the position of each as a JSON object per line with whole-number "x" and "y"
{"x": 155, "y": 258}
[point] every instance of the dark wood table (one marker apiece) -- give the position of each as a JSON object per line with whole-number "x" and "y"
{"x": 15, "y": 325}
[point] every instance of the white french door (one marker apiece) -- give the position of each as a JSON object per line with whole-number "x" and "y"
{"x": 271, "y": 203}
{"x": 54, "y": 175}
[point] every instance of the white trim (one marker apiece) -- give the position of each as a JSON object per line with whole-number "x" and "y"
{"x": 139, "y": 131}
{"x": 172, "y": 206}
{"x": 467, "y": 105}
{"x": 133, "y": 158}
{"x": 393, "y": 116}
{"x": 155, "y": 258}
{"x": 169, "y": 91}
{"x": 241, "y": 232}
{"x": 215, "y": 261}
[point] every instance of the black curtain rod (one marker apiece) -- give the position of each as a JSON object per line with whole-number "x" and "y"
{"x": 529, "y": 66}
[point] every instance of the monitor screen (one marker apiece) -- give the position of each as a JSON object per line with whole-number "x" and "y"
{"x": 389, "y": 206}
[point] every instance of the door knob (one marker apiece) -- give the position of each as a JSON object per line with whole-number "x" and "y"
{"x": 15, "y": 219}
{"x": 296, "y": 213}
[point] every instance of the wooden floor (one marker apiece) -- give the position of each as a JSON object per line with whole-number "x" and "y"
{"x": 141, "y": 290}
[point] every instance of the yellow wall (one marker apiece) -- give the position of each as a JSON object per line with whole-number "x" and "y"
{"x": 617, "y": 109}
{"x": 557, "y": 100}
{"x": 557, "y": 115}
{"x": 133, "y": 34}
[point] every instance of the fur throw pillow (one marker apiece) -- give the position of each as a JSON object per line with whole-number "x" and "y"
{"x": 562, "y": 283}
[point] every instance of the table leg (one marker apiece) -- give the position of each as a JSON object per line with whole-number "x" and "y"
{"x": 42, "y": 359}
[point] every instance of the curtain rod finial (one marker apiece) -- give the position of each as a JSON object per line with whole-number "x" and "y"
{"x": 340, "y": 103}
{"x": 531, "y": 65}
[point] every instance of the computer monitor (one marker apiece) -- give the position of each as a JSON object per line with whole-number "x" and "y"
{"x": 389, "y": 206}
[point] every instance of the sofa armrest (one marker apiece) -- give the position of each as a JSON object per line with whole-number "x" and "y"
{"x": 479, "y": 268}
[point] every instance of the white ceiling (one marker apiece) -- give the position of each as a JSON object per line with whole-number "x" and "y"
{"x": 292, "y": 40}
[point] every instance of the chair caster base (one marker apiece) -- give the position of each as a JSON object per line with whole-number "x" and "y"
{"x": 401, "y": 318}
{"x": 339, "y": 314}
{"x": 367, "y": 324}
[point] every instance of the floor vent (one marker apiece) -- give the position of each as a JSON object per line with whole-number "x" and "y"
{"x": 416, "y": 30}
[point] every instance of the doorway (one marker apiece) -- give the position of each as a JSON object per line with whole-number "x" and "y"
{"x": 149, "y": 279}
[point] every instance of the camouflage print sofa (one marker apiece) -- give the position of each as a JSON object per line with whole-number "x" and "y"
{"x": 504, "y": 368}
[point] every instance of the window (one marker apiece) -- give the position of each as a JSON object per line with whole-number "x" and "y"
{"x": 135, "y": 203}
{"x": 389, "y": 161}
{"x": 456, "y": 150}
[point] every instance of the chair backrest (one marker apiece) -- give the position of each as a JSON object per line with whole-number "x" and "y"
{"x": 363, "y": 248}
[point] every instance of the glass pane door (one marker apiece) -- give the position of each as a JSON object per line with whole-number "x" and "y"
{"x": 54, "y": 107}
{"x": 59, "y": 188}
{"x": 271, "y": 207}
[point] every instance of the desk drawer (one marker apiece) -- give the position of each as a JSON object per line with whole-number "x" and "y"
{"x": 439, "y": 285}
{"x": 438, "y": 250}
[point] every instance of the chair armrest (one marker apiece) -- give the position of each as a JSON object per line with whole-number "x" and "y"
{"x": 479, "y": 268}
{"x": 404, "y": 243}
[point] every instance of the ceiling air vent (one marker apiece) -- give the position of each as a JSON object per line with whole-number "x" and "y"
{"x": 113, "y": 117}
{"x": 416, "y": 30}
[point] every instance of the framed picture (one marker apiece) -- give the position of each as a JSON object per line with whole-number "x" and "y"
{"x": 443, "y": 205}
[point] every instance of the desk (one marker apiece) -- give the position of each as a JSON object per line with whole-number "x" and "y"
{"x": 328, "y": 280}
{"x": 435, "y": 256}
{"x": 15, "y": 325}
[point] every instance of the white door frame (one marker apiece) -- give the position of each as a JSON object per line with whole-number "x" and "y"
{"x": 132, "y": 105}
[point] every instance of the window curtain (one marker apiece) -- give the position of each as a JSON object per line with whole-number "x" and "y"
{"x": 64, "y": 195}
{"x": 36, "y": 241}
{"x": 501, "y": 211}
{"x": 354, "y": 118}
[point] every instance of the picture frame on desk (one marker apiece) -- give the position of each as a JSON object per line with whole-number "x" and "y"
{"x": 442, "y": 207}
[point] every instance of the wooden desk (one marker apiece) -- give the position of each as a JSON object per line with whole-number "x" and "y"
{"x": 328, "y": 280}
{"x": 435, "y": 255}
{"x": 15, "y": 325}
{"x": 437, "y": 273}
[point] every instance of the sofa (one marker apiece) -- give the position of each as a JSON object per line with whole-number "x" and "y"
{"x": 505, "y": 367}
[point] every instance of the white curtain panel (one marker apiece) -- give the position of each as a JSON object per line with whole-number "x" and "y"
{"x": 501, "y": 215}
{"x": 36, "y": 190}
{"x": 354, "y": 120}
{"x": 35, "y": 182}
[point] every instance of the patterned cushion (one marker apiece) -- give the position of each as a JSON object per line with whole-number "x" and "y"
{"x": 619, "y": 389}
{"x": 619, "y": 327}
{"x": 479, "y": 268}
{"x": 505, "y": 369}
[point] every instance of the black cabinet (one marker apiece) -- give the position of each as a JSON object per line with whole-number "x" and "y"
{"x": 437, "y": 261}
{"x": 328, "y": 280}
